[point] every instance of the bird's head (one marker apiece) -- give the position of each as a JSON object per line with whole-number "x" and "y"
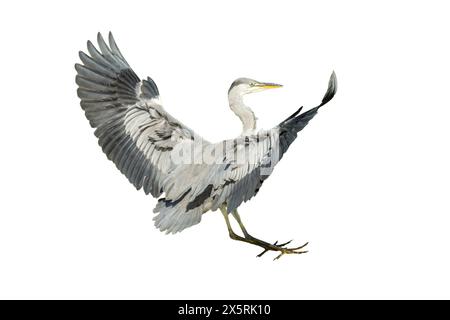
{"x": 244, "y": 86}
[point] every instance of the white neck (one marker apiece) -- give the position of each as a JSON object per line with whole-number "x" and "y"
{"x": 244, "y": 113}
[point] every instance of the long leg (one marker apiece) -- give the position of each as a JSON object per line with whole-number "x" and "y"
{"x": 252, "y": 240}
{"x": 237, "y": 217}
{"x": 267, "y": 246}
{"x": 233, "y": 235}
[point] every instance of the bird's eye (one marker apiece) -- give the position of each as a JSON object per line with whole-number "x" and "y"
{"x": 252, "y": 84}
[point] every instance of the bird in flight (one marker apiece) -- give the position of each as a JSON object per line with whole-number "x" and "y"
{"x": 162, "y": 156}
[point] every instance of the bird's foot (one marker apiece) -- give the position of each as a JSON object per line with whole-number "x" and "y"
{"x": 282, "y": 249}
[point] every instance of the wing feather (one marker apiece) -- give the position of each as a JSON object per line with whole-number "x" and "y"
{"x": 265, "y": 151}
{"x": 128, "y": 119}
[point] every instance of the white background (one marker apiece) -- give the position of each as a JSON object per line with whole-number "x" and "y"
{"x": 367, "y": 182}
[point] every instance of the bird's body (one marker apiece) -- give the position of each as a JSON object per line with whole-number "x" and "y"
{"x": 165, "y": 158}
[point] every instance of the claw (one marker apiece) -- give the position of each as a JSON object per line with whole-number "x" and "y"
{"x": 301, "y": 247}
{"x": 290, "y": 251}
{"x": 285, "y": 244}
{"x": 278, "y": 257}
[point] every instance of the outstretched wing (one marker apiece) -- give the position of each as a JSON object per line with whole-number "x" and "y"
{"x": 251, "y": 159}
{"x": 133, "y": 129}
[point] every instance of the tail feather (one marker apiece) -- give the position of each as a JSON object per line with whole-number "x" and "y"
{"x": 173, "y": 216}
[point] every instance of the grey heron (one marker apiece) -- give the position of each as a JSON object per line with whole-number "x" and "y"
{"x": 148, "y": 145}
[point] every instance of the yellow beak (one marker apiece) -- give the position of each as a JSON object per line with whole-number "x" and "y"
{"x": 270, "y": 85}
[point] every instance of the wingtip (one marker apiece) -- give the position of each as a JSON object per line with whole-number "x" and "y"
{"x": 333, "y": 80}
{"x": 334, "y": 77}
{"x": 82, "y": 55}
{"x": 100, "y": 38}
{"x": 111, "y": 40}
{"x": 89, "y": 44}
{"x": 332, "y": 89}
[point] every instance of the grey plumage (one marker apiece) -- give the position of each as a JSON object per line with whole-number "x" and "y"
{"x": 139, "y": 136}
{"x": 108, "y": 89}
